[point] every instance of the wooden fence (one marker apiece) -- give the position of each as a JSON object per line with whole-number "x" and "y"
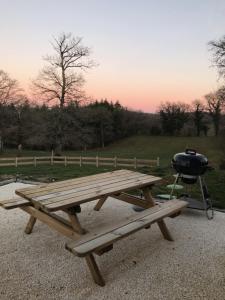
{"x": 79, "y": 160}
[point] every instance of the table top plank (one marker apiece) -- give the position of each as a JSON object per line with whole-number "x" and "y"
{"x": 46, "y": 188}
{"x": 87, "y": 187}
{"x": 95, "y": 189}
{"x": 77, "y": 184}
{"x": 69, "y": 193}
{"x": 77, "y": 200}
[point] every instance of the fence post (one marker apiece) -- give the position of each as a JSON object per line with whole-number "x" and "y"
{"x": 115, "y": 162}
{"x": 135, "y": 163}
{"x": 52, "y": 157}
{"x": 35, "y": 161}
{"x": 97, "y": 162}
{"x": 65, "y": 161}
{"x": 80, "y": 161}
{"x": 157, "y": 162}
{"x": 16, "y": 162}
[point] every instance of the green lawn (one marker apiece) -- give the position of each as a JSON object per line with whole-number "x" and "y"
{"x": 147, "y": 147}
{"x": 48, "y": 173}
{"x": 140, "y": 147}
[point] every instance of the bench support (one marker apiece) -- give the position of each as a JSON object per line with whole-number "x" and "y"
{"x": 53, "y": 221}
{"x": 165, "y": 231}
{"x": 93, "y": 267}
{"x": 30, "y": 225}
{"x": 99, "y": 242}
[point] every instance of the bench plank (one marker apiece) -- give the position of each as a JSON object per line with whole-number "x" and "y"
{"x": 93, "y": 242}
{"x": 14, "y": 203}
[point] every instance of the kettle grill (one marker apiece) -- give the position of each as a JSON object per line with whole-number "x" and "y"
{"x": 190, "y": 167}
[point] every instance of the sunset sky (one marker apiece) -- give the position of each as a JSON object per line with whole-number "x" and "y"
{"x": 148, "y": 51}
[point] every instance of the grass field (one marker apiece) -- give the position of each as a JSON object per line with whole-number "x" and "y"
{"x": 147, "y": 147}
{"x": 140, "y": 147}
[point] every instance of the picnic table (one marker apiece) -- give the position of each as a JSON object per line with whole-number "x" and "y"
{"x": 42, "y": 203}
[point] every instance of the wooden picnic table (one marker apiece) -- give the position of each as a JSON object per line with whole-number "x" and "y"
{"x": 43, "y": 201}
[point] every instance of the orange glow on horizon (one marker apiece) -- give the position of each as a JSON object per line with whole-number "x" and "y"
{"x": 146, "y": 98}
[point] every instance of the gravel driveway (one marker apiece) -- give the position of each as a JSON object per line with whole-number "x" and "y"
{"x": 142, "y": 266}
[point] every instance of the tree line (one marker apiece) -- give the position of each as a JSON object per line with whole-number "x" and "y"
{"x": 98, "y": 123}
{"x": 59, "y": 115}
{"x": 200, "y": 115}
{"x": 82, "y": 127}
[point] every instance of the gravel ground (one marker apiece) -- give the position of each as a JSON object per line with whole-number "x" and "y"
{"x": 142, "y": 266}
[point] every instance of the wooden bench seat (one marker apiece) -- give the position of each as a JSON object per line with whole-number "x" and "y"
{"x": 14, "y": 203}
{"x": 96, "y": 241}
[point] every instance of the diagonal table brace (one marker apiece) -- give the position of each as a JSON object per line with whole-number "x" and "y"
{"x": 53, "y": 221}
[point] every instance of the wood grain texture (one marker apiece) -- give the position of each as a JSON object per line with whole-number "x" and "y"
{"x": 14, "y": 203}
{"x": 55, "y": 185}
{"x": 93, "y": 267}
{"x": 100, "y": 203}
{"x": 30, "y": 225}
{"x": 87, "y": 186}
{"x": 97, "y": 240}
{"x": 132, "y": 200}
{"x": 52, "y": 222}
{"x": 62, "y": 195}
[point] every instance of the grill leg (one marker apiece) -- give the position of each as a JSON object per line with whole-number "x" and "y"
{"x": 175, "y": 182}
{"x": 205, "y": 197}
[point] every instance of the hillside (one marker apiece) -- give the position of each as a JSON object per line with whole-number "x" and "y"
{"x": 148, "y": 147}
{"x": 163, "y": 147}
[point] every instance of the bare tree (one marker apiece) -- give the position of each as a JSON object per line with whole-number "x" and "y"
{"x": 218, "y": 50}
{"x": 215, "y": 106}
{"x": 9, "y": 89}
{"x": 60, "y": 80}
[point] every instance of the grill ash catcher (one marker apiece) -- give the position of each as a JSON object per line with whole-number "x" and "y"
{"x": 191, "y": 167}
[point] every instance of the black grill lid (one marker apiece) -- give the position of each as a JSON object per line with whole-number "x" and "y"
{"x": 190, "y": 162}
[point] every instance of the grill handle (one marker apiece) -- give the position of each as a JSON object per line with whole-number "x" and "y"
{"x": 190, "y": 151}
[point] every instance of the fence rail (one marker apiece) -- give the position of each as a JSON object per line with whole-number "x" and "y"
{"x": 79, "y": 160}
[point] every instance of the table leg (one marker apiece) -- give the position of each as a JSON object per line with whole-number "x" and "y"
{"x": 95, "y": 272}
{"x": 30, "y": 225}
{"x": 100, "y": 203}
{"x": 162, "y": 225}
